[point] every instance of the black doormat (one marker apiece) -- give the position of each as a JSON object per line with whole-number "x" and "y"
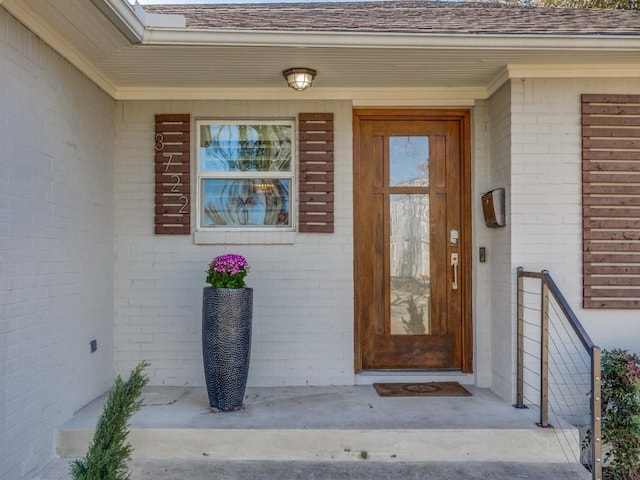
{"x": 429, "y": 389}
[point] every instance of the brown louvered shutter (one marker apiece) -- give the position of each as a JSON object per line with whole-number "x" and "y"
{"x": 611, "y": 200}
{"x": 316, "y": 190}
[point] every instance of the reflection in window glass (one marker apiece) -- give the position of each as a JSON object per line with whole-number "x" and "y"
{"x": 409, "y": 161}
{"x": 245, "y": 148}
{"x": 246, "y": 174}
{"x": 246, "y": 202}
{"x": 409, "y": 265}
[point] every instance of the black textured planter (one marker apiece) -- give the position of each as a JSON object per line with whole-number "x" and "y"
{"x": 226, "y": 344}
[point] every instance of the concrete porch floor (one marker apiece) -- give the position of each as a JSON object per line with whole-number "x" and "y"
{"x": 332, "y": 407}
{"x": 329, "y": 426}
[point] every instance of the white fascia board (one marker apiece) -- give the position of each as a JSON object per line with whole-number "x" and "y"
{"x": 161, "y": 36}
{"x": 358, "y": 96}
{"x": 162, "y": 20}
{"x": 51, "y": 37}
{"x": 123, "y": 17}
{"x": 574, "y": 71}
{"x": 563, "y": 71}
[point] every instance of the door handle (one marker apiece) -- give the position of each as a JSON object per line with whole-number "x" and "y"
{"x": 454, "y": 264}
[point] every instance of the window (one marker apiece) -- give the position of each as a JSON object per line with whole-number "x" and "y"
{"x": 246, "y": 175}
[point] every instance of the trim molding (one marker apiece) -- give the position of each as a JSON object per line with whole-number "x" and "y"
{"x": 533, "y": 70}
{"x": 462, "y": 97}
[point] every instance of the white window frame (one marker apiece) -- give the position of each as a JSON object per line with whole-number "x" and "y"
{"x": 240, "y": 233}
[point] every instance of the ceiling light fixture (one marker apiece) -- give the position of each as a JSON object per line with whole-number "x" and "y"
{"x": 299, "y": 78}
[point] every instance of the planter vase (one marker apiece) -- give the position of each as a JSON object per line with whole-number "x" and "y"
{"x": 226, "y": 344}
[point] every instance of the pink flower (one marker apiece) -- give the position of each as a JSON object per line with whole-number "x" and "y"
{"x": 228, "y": 271}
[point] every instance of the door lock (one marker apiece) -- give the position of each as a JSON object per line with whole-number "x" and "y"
{"x": 453, "y": 237}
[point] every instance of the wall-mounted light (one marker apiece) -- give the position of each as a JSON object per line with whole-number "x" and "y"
{"x": 299, "y": 78}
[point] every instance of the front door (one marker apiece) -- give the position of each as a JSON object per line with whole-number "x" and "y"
{"x": 412, "y": 240}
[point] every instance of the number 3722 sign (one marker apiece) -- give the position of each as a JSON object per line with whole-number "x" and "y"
{"x": 173, "y": 180}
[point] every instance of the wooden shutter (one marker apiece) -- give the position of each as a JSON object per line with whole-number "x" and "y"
{"x": 611, "y": 200}
{"x": 316, "y": 190}
{"x": 173, "y": 180}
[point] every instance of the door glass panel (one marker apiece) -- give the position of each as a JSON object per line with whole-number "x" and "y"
{"x": 409, "y": 161}
{"x": 409, "y": 264}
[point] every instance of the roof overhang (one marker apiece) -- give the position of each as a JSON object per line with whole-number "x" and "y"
{"x": 130, "y": 58}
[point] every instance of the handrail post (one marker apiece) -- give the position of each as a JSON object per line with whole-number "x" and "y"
{"x": 548, "y": 286}
{"x": 544, "y": 355}
{"x": 520, "y": 342}
{"x": 596, "y": 414}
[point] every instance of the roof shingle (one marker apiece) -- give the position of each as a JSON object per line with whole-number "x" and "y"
{"x": 406, "y": 16}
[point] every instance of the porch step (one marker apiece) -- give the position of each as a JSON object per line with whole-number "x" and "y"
{"x": 330, "y": 424}
{"x": 474, "y": 445}
{"x": 347, "y": 445}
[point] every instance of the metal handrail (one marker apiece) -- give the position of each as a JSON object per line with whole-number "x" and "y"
{"x": 549, "y": 286}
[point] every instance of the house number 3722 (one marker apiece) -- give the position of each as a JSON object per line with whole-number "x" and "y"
{"x": 171, "y": 146}
{"x": 176, "y": 177}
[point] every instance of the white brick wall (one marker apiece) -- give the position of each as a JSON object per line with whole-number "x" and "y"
{"x": 56, "y": 246}
{"x": 546, "y": 194}
{"x": 298, "y": 337}
{"x": 303, "y": 298}
{"x": 499, "y": 294}
{"x": 535, "y": 153}
{"x": 481, "y": 182}
{"x": 536, "y": 124}
{"x": 303, "y": 292}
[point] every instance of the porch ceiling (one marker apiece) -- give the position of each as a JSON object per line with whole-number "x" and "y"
{"x": 182, "y": 63}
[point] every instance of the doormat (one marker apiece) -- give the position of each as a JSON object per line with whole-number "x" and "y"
{"x": 430, "y": 389}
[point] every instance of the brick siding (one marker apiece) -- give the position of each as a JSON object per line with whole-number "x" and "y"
{"x": 303, "y": 291}
{"x": 56, "y": 238}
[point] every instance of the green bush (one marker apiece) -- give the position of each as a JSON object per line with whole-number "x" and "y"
{"x": 109, "y": 455}
{"x": 621, "y": 415}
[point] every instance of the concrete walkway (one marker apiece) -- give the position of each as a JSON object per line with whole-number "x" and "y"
{"x": 364, "y": 470}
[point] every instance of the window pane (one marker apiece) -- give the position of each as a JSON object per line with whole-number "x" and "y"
{"x": 409, "y": 161}
{"x": 245, "y": 148}
{"x": 409, "y": 265}
{"x": 246, "y": 202}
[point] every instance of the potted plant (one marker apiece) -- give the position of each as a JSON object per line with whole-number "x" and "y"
{"x": 227, "y": 310}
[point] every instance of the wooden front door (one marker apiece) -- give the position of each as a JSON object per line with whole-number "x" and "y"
{"x": 412, "y": 240}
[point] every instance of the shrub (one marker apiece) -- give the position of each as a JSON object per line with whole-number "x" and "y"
{"x": 621, "y": 414}
{"x": 108, "y": 455}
